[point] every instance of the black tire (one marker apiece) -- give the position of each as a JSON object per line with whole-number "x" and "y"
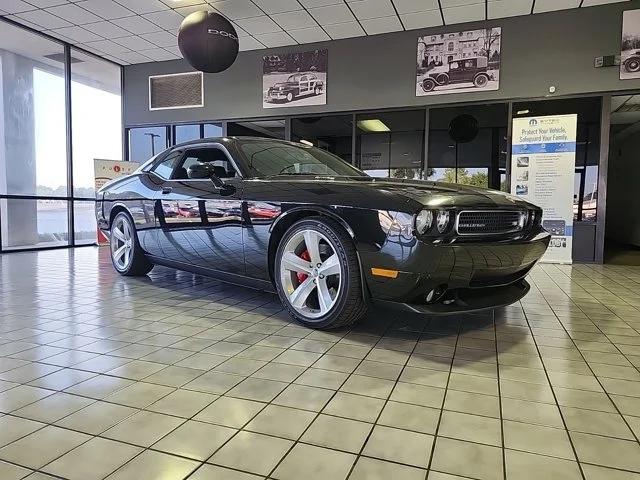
{"x": 317, "y": 91}
{"x": 632, "y": 64}
{"x": 481, "y": 80}
{"x": 428, "y": 84}
{"x": 139, "y": 264}
{"x": 350, "y": 305}
{"x": 289, "y": 97}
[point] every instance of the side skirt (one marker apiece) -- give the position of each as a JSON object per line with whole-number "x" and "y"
{"x": 233, "y": 278}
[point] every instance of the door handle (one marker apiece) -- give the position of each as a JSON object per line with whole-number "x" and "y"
{"x": 166, "y": 190}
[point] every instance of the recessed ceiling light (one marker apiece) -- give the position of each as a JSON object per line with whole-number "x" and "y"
{"x": 306, "y": 142}
{"x": 522, "y": 112}
{"x": 373, "y": 125}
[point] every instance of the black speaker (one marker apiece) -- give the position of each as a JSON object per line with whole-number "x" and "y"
{"x": 208, "y": 41}
{"x": 464, "y": 128}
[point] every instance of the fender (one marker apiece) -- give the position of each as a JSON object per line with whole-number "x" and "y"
{"x": 315, "y": 208}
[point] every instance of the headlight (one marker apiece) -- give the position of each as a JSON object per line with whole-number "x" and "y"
{"x": 443, "y": 220}
{"x": 424, "y": 220}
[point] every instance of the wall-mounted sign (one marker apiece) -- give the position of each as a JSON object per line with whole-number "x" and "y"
{"x": 459, "y": 62}
{"x": 542, "y": 172}
{"x": 104, "y": 172}
{"x": 294, "y": 79}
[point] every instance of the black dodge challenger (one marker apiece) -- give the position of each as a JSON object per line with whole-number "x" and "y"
{"x": 328, "y": 238}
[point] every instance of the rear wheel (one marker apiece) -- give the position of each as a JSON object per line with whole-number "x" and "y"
{"x": 317, "y": 275}
{"x": 126, "y": 255}
{"x": 632, "y": 64}
{"x": 481, "y": 80}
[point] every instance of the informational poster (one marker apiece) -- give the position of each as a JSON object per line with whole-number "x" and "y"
{"x": 542, "y": 172}
{"x": 295, "y": 79}
{"x": 457, "y": 62}
{"x": 105, "y": 171}
{"x": 630, "y": 48}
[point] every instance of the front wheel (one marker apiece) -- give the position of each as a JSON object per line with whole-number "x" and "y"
{"x": 428, "y": 84}
{"x": 126, "y": 255}
{"x": 317, "y": 275}
{"x": 289, "y": 97}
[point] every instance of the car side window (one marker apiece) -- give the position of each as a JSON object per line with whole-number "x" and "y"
{"x": 165, "y": 168}
{"x": 211, "y": 155}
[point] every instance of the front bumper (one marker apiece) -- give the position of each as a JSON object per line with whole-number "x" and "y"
{"x": 469, "y": 276}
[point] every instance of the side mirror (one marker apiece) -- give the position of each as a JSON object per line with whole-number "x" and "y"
{"x": 211, "y": 172}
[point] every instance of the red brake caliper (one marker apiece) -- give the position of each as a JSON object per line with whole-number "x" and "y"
{"x": 303, "y": 276}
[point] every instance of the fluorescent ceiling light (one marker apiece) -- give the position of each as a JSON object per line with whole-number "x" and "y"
{"x": 522, "y": 112}
{"x": 373, "y": 125}
{"x": 306, "y": 142}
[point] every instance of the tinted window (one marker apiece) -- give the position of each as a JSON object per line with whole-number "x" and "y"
{"x": 213, "y": 156}
{"x": 268, "y": 158}
{"x": 164, "y": 168}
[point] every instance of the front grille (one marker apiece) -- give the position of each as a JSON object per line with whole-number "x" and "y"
{"x": 490, "y": 222}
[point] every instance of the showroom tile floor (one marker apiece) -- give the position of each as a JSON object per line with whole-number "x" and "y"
{"x": 178, "y": 376}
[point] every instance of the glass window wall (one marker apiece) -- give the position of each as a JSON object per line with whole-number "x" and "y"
{"x": 331, "y": 133}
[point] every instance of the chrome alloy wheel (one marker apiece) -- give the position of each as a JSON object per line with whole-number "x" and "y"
{"x": 121, "y": 243}
{"x": 310, "y": 273}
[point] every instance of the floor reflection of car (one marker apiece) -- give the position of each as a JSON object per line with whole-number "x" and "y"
{"x": 467, "y": 70}
{"x": 297, "y": 85}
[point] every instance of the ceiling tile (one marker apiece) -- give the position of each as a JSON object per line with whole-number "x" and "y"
{"x": 135, "y": 43}
{"x": 175, "y": 50}
{"x": 374, "y": 26}
{"x": 275, "y": 39}
{"x": 186, "y": 11}
{"x": 107, "y": 9}
{"x": 144, "y": 6}
{"x": 74, "y": 14}
{"x": 364, "y": 9}
{"x": 47, "y": 3}
{"x": 278, "y": 6}
{"x": 258, "y": 25}
{"x": 590, "y": 3}
{"x": 78, "y": 34}
{"x": 294, "y": 20}
{"x": 458, "y": 3}
{"x": 136, "y": 25}
{"x": 44, "y": 19}
{"x": 15, "y": 6}
{"x": 344, "y": 30}
{"x": 250, "y": 43}
{"x": 159, "y": 54}
{"x": 551, "y": 5}
{"x": 107, "y": 29}
{"x": 330, "y": 14}
{"x": 235, "y": 9}
{"x": 167, "y": 19}
{"x": 415, "y": 20}
{"x": 319, "y": 3}
{"x": 186, "y": 3}
{"x": 239, "y": 30}
{"x": 161, "y": 39}
{"x": 133, "y": 57}
{"x": 465, "y": 13}
{"x": 107, "y": 46}
{"x": 309, "y": 35}
{"x": 508, "y": 8}
{"x": 412, "y": 6}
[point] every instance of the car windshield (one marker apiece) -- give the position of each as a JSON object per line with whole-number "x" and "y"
{"x": 267, "y": 158}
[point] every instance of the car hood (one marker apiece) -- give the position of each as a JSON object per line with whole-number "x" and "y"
{"x": 417, "y": 192}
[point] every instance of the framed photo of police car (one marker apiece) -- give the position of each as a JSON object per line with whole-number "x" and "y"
{"x": 294, "y": 79}
{"x": 458, "y": 62}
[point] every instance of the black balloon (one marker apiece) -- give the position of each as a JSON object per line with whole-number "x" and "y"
{"x": 463, "y": 128}
{"x": 208, "y": 41}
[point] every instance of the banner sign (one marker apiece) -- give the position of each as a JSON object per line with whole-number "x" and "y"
{"x": 105, "y": 171}
{"x": 542, "y": 172}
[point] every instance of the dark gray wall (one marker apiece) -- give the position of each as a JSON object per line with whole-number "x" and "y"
{"x": 538, "y": 51}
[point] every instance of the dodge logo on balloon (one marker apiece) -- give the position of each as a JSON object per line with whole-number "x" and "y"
{"x": 208, "y": 41}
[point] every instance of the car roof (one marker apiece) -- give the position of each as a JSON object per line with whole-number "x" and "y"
{"x": 229, "y": 139}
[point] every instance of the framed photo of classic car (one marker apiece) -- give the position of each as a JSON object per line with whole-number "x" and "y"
{"x": 458, "y": 62}
{"x": 630, "y": 49}
{"x": 294, "y": 79}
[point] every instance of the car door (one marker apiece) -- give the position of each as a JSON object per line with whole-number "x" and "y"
{"x": 200, "y": 224}
{"x": 304, "y": 85}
